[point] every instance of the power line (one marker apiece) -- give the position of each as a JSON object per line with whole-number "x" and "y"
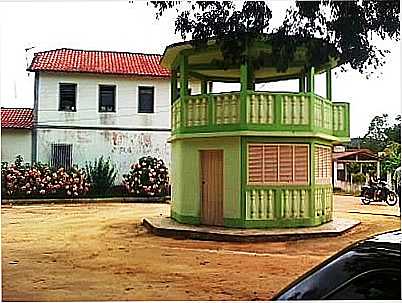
{"x": 98, "y": 118}
{"x": 94, "y": 109}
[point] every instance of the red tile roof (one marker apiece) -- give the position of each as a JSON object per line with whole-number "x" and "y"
{"x": 100, "y": 62}
{"x": 16, "y": 117}
{"x": 362, "y": 152}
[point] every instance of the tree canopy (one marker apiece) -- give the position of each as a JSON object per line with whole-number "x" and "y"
{"x": 383, "y": 136}
{"x": 346, "y": 27}
{"x": 380, "y": 134}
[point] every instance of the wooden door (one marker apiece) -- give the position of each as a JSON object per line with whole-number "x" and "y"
{"x": 212, "y": 187}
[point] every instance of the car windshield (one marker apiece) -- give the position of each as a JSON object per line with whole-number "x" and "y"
{"x": 338, "y": 270}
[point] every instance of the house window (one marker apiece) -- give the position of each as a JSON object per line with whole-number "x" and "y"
{"x": 107, "y": 98}
{"x": 323, "y": 164}
{"x": 278, "y": 163}
{"x": 62, "y": 155}
{"x": 146, "y": 99}
{"x": 67, "y": 97}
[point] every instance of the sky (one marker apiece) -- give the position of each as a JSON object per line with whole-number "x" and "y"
{"x": 124, "y": 26}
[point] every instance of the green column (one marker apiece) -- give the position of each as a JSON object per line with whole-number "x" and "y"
{"x": 310, "y": 80}
{"x": 204, "y": 87}
{"x": 302, "y": 84}
{"x": 183, "y": 87}
{"x": 183, "y": 76}
{"x": 173, "y": 86}
{"x": 328, "y": 75}
{"x": 244, "y": 86}
{"x": 250, "y": 77}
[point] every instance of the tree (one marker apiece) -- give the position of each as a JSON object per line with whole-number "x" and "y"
{"x": 346, "y": 27}
{"x": 380, "y": 134}
{"x": 392, "y": 159}
{"x": 393, "y": 133}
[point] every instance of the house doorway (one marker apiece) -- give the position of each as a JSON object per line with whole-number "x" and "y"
{"x": 212, "y": 187}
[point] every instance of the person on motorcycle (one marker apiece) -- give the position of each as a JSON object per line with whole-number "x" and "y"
{"x": 374, "y": 184}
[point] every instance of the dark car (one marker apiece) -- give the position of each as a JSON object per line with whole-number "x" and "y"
{"x": 368, "y": 270}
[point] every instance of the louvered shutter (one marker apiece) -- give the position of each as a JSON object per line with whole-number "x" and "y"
{"x": 278, "y": 163}
{"x": 301, "y": 164}
{"x": 323, "y": 165}
{"x": 255, "y": 163}
{"x": 285, "y": 163}
{"x": 271, "y": 163}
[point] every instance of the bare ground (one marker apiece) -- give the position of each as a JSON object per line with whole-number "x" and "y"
{"x": 101, "y": 252}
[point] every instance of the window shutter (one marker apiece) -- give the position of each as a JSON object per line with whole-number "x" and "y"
{"x": 285, "y": 163}
{"x": 271, "y": 163}
{"x": 301, "y": 164}
{"x": 255, "y": 163}
{"x": 278, "y": 163}
{"x": 323, "y": 165}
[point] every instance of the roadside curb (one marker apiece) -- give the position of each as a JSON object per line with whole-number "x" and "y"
{"x": 165, "y": 200}
{"x": 166, "y": 227}
{"x": 374, "y": 214}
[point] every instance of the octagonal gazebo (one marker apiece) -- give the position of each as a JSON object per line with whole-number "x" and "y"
{"x": 251, "y": 159}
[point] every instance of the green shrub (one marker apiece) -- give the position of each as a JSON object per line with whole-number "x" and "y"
{"x": 359, "y": 178}
{"x": 147, "y": 178}
{"x": 101, "y": 175}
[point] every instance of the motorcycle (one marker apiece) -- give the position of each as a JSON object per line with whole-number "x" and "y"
{"x": 378, "y": 192}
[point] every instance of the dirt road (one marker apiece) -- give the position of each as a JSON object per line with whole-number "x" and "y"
{"x": 100, "y": 252}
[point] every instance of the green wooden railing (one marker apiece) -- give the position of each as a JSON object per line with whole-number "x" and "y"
{"x": 263, "y": 111}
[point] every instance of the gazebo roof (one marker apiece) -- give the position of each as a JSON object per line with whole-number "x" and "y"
{"x": 205, "y": 61}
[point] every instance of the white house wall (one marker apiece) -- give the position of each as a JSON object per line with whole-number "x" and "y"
{"x": 124, "y": 135}
{"x": 122, "y": 147}
{"x": 15, "y": 142}
{"x": 87, "y": 114}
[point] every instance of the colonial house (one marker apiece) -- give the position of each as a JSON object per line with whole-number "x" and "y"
{"x": 89, "y": 104}
{"x": 16, "y": 133}
{"x": 342, "y": 178}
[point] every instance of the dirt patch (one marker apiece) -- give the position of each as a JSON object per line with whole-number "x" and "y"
{"x": 101, "y": 252}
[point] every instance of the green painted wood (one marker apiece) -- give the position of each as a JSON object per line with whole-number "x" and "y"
{"x": 280, "y": 112}
{"x": 197, "y": 75}
{"x": 328, "y": 77}
{"x": 302, "y": 84}
{"x": 185, "y": 219}
{"x": 186, "y": 174}
{"x": 293, "y": 205}
{"x": 183, "y": 87}
{"x": 244, "y": 75}
{"x": 310, "y": 80}
{"x": 204, "y": 87}
{"x": 183, "y": 76}
{"x": 173, "y": 85}
{"x": 248, "y": 206}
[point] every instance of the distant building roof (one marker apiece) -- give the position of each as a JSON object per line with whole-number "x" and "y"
{"x": 351, "y": 154}
{"x": 99, "y": 62}
{"x": 16, "y": 118}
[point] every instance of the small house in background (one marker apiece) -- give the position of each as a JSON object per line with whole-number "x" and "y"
{"x": 16, "y": 133}
{"x": 342, "y": 177}
{"x": 100, "y": 103}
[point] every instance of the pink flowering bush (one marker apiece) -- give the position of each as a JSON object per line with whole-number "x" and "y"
{"x": 147, "y": 178}
{"x": 40, "y": 180}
